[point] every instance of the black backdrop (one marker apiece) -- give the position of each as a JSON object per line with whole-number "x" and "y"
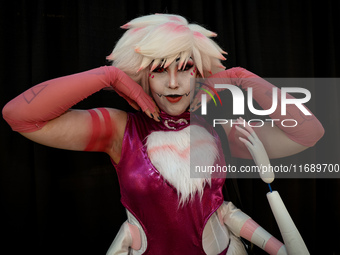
{"x": 60, "y": 202}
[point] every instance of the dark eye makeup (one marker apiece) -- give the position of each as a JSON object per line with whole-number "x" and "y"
{"x": 161, "y": 69}
{"x": 187, "y": 67}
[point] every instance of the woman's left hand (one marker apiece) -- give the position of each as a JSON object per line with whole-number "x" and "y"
{"x": 257, "y": 151}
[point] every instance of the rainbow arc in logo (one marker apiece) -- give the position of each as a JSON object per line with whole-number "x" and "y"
{"x": 209, "y": 93}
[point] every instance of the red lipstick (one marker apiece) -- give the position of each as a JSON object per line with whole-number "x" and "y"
{"x": 173, "y": 99}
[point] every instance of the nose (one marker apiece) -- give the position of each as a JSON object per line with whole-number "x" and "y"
{"x": 173, "y": 82}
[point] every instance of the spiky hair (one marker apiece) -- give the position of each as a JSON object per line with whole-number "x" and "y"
{"x": 159, "y": 39}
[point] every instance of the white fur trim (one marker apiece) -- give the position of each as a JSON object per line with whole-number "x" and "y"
{"x": 170, "y": 153}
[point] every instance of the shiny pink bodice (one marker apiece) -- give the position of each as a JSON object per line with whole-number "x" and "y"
{"x": 169, "y": 228}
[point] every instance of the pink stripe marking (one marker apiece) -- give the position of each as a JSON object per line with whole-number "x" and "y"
{"x": 273, "y": 246}
{"x": 183, "y": 154}
{"x": 248, "y": 229}
{"x": 108, "y": 130}
{"x": 166, "y": 147}
{"x": 95, "y": 130}
{"x": 198, "y": 34}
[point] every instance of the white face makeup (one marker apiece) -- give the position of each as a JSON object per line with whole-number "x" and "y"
{"x": 170, "y": 87}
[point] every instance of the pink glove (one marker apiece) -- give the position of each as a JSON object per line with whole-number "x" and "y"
{"x": 32, "y": 109}
{"x": 308, "y": 131}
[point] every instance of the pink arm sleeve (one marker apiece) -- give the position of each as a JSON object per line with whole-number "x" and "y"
{"x": 32, "y": 109}
{"x": 308, "y": 131}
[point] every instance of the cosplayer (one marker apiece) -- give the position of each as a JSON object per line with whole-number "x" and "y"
{"x": 168, "y": 212}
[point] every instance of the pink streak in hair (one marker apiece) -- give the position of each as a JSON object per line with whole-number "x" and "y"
{"x": 198, "y": 34}
{"x": 125, "y": 26}
{"x": 175, "y": 18}
{"x": 136, "y": 29}
{"x": 175, "y": 27}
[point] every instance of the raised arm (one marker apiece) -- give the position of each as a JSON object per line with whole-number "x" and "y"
{"x": 278, "y": 139}
{"x": 42, "y": 113}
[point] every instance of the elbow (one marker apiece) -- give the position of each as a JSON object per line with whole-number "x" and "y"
{"x": 19, "y": 120}
{"x": 7, "y": 112}
{"x": 10, "y": 115}
{"x": 14, "y": 117}
{"x": 317, "y": 132}
{"x": 310, "y": 135}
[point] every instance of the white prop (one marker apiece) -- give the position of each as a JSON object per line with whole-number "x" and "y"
{"x": 290, "y": 234}
{"x": 257, "y": 151}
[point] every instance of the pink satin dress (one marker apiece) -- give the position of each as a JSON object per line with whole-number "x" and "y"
{"x": 153, "y": 201}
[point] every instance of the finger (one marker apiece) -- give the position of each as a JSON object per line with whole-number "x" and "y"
{"x": 150, "y": 108}
{"x": 157, "y": 109}
{"x": 197, "y": 97}
{"x": 193, "y": 104}
{"x": 246, "y": 143}
{"x": 135, "y": 105}
{"x": 147, "y": 112}
{"x": 156, "y": 112}
{"x": 156, "y": 116}
{"x": 155, "y": 106}
{"x": 148, "y": 104}
{"x": 196, "y": 106}
{"x": 153, "y": 115}
{"x": 249, "y": 146}
{"x": 248, "y": 128}
{"x": 245, "y": 133}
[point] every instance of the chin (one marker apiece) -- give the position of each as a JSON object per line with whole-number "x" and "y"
{"x": 174, "y": 112}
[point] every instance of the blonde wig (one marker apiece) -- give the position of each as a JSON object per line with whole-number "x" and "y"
{"x": 159, "y": 39}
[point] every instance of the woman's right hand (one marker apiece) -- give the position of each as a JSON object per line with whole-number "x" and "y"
{"x": 132, "y": 92}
